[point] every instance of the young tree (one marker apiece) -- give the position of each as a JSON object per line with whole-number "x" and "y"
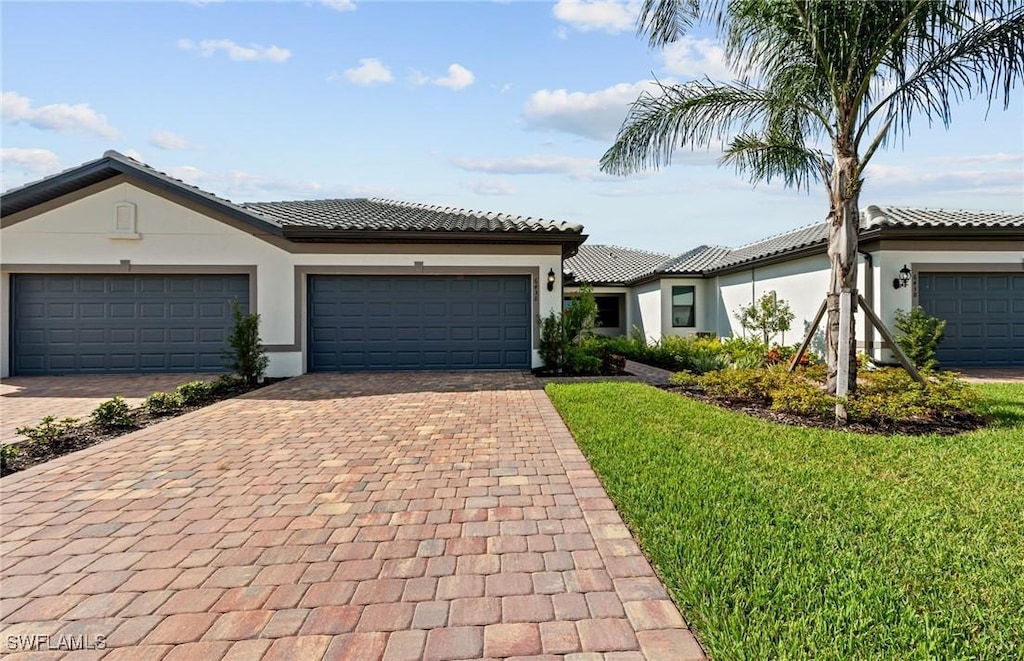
{"x": 822, "y": 85}
{"x": 246, "y": 356}
{"x": 768, "y": 315}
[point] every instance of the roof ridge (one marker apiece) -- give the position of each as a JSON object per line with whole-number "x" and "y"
{"x": 625, "y": 248}
{"x": 317, "y": 199}
{"x": 775, "y": 236}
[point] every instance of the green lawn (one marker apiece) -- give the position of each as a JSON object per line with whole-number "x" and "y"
{"x": 780, "y": 542}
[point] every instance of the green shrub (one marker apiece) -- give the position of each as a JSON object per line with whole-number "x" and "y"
{"x": 163, "y": 403}
{"x": 194, "y": 392}
{"x": 49, "y": 431}
{"x": 113, "y": 414}
{"x": 745, "y": 353}
{"x": 562, "y": 333}
{"x": 246, "y": 357}
{"x": 581, "y": 361}
{"x": 799, "y": 396}
{"x": 919, "y": 336}
{"x": 704, "y": 361}
{"x": 8, "y": 454}
{"x": 750, "y": 385}
{"x": 684, "y": 379}
{"x": 891, "y": 395}
{"x": 884, "y": 396}
{"x": 225, "y": 384}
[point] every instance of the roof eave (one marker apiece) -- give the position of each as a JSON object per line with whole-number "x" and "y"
{"x": 323, "y": 235}
{"x": 44, "y": 190}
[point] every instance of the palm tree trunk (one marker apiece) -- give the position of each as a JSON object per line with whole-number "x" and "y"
{"x": 844, "y": 219}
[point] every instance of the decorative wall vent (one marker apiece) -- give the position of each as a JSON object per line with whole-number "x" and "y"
{"x": 124, "y": 222}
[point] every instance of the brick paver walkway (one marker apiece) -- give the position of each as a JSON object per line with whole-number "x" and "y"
{"x": 25, "y": 400}
{"x": 339, "y": 517}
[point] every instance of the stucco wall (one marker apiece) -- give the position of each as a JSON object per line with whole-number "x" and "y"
{"x": 803, "y": 283}
{"x": 1010, "y": 258}
{"x": 646, "y": 300}
{"x": 78, "y": 233}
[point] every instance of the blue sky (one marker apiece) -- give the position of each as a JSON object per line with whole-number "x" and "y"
{"x": 496, "y": 106}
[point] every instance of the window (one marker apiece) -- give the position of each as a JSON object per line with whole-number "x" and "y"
{"x": 682, "y": 307}
{"x": 607, "y": 311}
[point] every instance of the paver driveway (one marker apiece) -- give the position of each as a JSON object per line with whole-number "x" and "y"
{"x": 24, "y": 400}
{"x": 436, "y": 516}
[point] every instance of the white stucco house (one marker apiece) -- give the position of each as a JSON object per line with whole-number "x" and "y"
{"x": 966, "y": 267}
{"x": 115, "y": 267}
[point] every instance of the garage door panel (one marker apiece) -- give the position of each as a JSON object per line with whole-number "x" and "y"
{"x": 91, "y": 311}
{"x": 122, "y": 336}
{"x": 427, "y": 322}
{"x": 66, "y": 324}
{"x": 984, "y": 316}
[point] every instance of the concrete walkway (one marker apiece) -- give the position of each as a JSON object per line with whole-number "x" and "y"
{"x": 435, "y": 516}
{"x": 25, "y": 400}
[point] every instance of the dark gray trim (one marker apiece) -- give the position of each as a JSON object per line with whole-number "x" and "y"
{"x": 569, "y": 242}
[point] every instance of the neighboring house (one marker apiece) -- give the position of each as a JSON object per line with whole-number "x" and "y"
{"x": 966, "y": 267}
{"x": 114, "y": 267}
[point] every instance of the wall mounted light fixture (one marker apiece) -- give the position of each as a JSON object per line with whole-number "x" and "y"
{"x": 903, "y": 280}
{"x": 551, "y": 279}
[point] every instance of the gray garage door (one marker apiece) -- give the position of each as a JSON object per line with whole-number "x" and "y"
{"x": 984, "y": 315}
{"x": 107, "y": 324}
{"x": 414, "y": 323}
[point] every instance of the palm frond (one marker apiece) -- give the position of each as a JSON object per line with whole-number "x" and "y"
{"x": 776, "y": 157}
{"x": 664, "y": 21}
{"x": 694, "y": 115}
{"x": 986, "y": 59}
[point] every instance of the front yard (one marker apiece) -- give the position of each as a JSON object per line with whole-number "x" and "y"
{"x": 788, "y": 542}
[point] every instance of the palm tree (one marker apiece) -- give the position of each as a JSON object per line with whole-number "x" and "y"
{"x": 821, "y": 86}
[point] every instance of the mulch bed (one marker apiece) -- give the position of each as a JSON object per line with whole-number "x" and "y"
{"x": 919, "y": 427}
{"x": 86, "y": 434}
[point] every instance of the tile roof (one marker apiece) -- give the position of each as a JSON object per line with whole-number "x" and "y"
{"x": 709, "y": 259}
{"x": 874, "y": 216}
{"x": 802, "y": 237}
{"x": 340, "y": 215}
{"x": 694, "y": 261}
{"x": 379, "y": 214}
{"x": 610, "y": 264}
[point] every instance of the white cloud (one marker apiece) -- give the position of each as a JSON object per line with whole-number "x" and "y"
{"x": 29, "y": 161}
{"x": 245, "y": 186}
{"x": 574, "y": 168}
{"x": 978, "y": 159}
{"x": 496, "y": 187}
{"x": 605, "y": 15}
{"x": 907, "y": 180}
{"x": 169, "y": 141}
{"x": 459, "y": 77}
{"x": 561, "y": 32}
{"x": 370, "y": 71}
{"x": 60, "y": 117}
{"x": 339, "y": 5}
{"x": 236, "y": 52}
{"x": 248, "y": 187}
{"x": 693, "y": 58}
{"x": 534, "y": 164}
{"x": 597, "y": 115}
{"x": 131, "y": 153}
